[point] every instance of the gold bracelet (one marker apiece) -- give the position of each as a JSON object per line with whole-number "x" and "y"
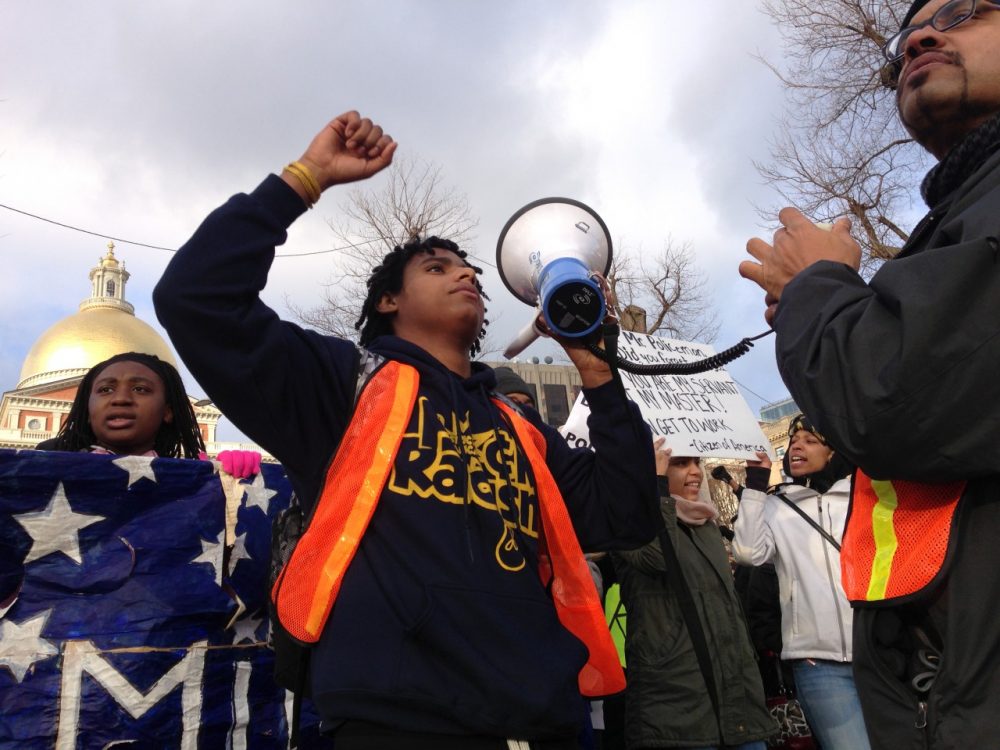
{"x": 306, "y": 179}
{"x": 307, "y": 173}
{"x": 309, "y": 199}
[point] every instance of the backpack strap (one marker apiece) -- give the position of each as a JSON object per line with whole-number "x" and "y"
{"x": 809, "y": 519}
{"x": 689, "y": 612}
{"x": 368, "y": 363}
{"x": 288, "y": 529}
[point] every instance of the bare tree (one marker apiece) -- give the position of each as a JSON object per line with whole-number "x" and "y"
{"x": 414, "y": 202}
{"x": 669, "y": 287}
{"x": 841, "y": 150}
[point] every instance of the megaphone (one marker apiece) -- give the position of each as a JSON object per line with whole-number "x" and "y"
{"x": 547, "y": 256}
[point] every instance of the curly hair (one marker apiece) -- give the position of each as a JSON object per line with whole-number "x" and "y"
{"x": 387, "y": 278}
{"x": 180, "y": 438}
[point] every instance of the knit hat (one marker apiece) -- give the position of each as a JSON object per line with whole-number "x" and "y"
{"x": 509, "y": 382}
{"x": 917, "y": 5}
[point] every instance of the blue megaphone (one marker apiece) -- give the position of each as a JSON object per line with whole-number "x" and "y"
{"x": 547, "y": 256}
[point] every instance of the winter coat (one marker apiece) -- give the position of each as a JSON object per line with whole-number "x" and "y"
{"x": 667, "y": 702}
{"x": 900, "y": 374}
{"x": 816, "y": 618}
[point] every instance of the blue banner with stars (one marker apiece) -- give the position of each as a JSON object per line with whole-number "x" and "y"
{"x": 133, "y": 610}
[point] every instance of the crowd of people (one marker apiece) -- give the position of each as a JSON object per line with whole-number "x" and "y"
{"x": 441, "y": 586}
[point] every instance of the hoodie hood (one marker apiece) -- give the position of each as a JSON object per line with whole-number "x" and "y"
{"x": 392, "y": 347}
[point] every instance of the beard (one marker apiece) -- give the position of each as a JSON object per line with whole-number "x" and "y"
{"x": 937, "y": 118}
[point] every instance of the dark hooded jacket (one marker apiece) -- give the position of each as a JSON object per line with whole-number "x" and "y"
{"x": 667, "y": 701}
{"x": 900, "y": 373}
{"x": 441, "y": 624}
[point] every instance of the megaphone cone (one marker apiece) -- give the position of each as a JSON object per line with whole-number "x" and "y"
{"x": 547, "y": 254}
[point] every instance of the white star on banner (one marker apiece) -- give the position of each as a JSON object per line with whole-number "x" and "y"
{"x": 241, "y": 608}
{"x": 246, "y": 629}
{"x": 258, "y": 494}
{"x": 239, "y": 552}
{"x": 211, "y": 553}
{"x": 22, "y": 645}
{"x": 55, "y": 529}
{"x": 137, "y": 468}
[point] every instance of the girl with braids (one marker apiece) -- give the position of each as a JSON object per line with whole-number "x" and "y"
{"x": 134, "y": 404}
{"x": 439, "y": 516}
{"x": 131, "y": 404}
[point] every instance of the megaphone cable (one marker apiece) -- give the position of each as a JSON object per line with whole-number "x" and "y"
{"x": 714, "y": 362}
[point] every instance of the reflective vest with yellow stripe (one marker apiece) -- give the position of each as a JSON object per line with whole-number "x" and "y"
{"x": 307, "y": 586}
{"x": 896, "y": 537}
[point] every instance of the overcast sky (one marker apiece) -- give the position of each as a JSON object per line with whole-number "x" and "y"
{"x": 135, "y": 120}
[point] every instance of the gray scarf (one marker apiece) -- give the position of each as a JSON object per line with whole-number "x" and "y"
{"x": 960, "y": 162}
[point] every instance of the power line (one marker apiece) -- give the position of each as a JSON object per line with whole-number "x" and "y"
{"x": 87, "y": 231}
{"x": 764, "y": 400}
{"x": 123, "y": 241}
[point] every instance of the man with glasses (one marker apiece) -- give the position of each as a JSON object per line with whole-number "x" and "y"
{"x": 900, "y": 373}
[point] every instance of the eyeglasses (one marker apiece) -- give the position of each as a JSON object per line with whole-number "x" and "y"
{"x": 947, "y": 17}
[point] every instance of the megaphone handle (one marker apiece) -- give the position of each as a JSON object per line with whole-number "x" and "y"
{"x": 525, "y": 337}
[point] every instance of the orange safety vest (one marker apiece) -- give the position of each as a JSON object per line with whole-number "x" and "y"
{"x": 896, "y": 537}
{"x": 307, "y": 586}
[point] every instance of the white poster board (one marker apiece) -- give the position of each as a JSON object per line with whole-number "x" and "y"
{"x": 699, "y": 415}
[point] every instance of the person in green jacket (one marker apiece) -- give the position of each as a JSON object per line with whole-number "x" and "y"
{"x": 667, "y": 699}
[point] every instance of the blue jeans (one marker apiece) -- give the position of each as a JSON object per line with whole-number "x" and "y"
{"x": 830, "y": 702}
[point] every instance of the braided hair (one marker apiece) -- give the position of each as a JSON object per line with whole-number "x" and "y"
{"x": 387, "y": 278}
{"x": 180, "y": 438}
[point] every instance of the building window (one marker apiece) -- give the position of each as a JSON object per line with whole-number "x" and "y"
{"x": 556, "y": 405}
{"x": 110, "y": 288}
{"x": 35, "y": 424}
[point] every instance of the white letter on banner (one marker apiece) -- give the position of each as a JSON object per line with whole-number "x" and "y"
{"x": 84, "y": 656}
{"x": 241, "y": 708}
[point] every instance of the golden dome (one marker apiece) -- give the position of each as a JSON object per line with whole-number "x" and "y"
{"x": 75, "y": 344}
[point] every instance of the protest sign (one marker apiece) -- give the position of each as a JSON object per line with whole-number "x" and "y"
{"x": 699, "y": 415}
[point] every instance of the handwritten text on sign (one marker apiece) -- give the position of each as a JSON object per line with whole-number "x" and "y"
{"x": 700, "y": 415}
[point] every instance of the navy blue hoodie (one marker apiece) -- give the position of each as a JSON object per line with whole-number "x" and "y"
{"x": 441, "y": 624}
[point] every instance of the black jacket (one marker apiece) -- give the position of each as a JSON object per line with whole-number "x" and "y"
{"x": 901, "y": 375}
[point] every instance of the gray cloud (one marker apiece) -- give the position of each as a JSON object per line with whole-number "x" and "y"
{"x": 136, "y": 120}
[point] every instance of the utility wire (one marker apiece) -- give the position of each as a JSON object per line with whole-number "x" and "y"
{"x": 123, "y": 241}
{"x": 87, "y": 231}
{"x": 764, "y": 400}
